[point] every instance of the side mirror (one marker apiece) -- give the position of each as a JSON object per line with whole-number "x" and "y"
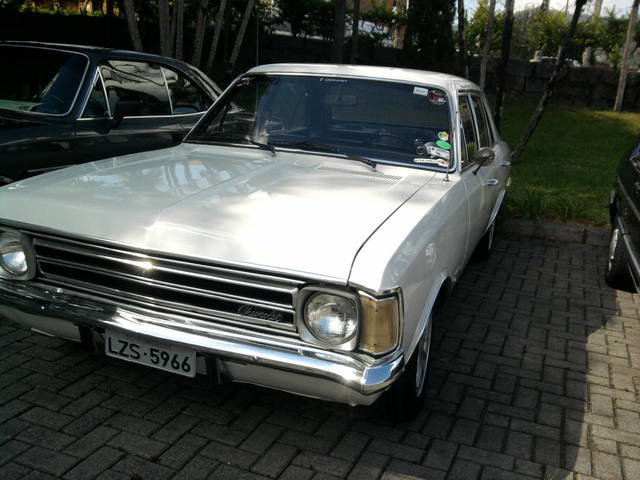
{"x": 126, "y": 108}
{"x": 483, "y": 157}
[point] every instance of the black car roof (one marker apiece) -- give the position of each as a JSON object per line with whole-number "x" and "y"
{"x": 97, "y": 53}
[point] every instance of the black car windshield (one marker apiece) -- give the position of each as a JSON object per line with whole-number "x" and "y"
{"x": 39, "y": 80}
{"x": 377, "y": 120}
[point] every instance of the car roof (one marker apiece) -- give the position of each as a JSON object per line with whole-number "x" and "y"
{"x": 450, "y": 82}
{"x": 93, "y": 51}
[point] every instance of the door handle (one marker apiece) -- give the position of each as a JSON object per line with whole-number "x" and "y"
{"x": 492, "y": 182}
{"x": 505, "y": 163}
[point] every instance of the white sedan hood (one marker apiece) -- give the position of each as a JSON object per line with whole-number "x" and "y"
{"x": 302, "y": 214}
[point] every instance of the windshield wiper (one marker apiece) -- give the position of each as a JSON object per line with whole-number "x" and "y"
{"x": 261, "y": 146}
{"x": 319, "y": 147}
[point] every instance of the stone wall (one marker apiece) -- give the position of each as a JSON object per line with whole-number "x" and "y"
{"x": 587, "y": 86}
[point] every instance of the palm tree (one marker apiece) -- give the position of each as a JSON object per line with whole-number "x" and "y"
{"x": 240, "y": 36}
{"x": 198, "y": 39}
{"x": 217, "y": 28}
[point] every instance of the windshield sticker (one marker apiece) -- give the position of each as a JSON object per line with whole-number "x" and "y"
{"x": 438, "y": 152}
{"x": 420, "y": 91}
{"x": 432, "y": 161}
{"x": 444, "y": 136}
{"x": 443, "y": 144}
{"x": 437, "y": 97}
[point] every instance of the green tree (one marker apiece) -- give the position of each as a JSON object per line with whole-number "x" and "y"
{"x": 428, "y": 40}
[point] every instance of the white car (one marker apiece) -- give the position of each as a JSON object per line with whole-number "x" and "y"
{"x": 301, "y": 238}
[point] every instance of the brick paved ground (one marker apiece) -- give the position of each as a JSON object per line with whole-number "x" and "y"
{"x": 534, "y": 375}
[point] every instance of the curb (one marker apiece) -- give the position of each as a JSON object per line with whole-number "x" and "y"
{"x": 563, "y": 232}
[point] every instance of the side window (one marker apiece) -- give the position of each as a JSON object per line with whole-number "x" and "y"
{"x": 97, "y": 104}
{"x": 469, "y": 142}
{"x": 481, "y": 121}
{"x": 125, "y": 80}
{"x": 186, "y": 97}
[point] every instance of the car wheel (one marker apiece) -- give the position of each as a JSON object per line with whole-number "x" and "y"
{"x": 408, "y": 392}
{"x": 484, "y": 249}
{"x": 617, "y": 273}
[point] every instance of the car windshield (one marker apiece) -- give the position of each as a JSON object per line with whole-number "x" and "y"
{"x": 382, "y": 121}
{"x": 39, "y": 80}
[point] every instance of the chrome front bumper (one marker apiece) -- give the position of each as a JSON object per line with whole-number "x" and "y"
{"x": 283, "y": 364}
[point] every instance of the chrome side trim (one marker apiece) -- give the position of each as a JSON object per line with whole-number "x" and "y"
{"x": 633, "y": 259}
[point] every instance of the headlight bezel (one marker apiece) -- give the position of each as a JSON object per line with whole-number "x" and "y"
{"x": 25, "y": 242}
{"x": 305, "y": 331}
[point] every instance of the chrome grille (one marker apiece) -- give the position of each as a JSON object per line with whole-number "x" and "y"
{"x": 214, "y": 293}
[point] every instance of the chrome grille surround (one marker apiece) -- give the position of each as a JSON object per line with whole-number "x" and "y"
{"x": 208, "y": 293}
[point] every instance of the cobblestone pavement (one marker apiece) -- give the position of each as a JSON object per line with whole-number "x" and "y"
{"x": 534, "y": 375}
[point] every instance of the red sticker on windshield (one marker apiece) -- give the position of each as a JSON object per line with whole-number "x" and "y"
{"x": 437, "y": 97}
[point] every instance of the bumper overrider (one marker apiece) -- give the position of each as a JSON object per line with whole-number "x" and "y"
{"x": 242, "y": 356}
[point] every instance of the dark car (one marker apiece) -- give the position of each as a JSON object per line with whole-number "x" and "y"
{"x": 67, "y": 104}
{"x": 623, "y": 266}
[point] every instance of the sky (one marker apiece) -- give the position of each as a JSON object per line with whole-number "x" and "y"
{"x": 620, "y": 6}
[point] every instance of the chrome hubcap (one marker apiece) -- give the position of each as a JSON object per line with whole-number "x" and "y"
{"x": 423, "y": 359}
{"x": 612, "y": 246}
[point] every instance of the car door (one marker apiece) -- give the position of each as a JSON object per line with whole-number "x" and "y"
{"x": 153, "y": 126}
{"x": 480, "y": 183}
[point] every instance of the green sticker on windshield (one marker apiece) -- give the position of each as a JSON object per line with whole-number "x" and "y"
{"x": 443, "y": 144}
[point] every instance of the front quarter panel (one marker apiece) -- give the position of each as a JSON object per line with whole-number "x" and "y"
{"x": 421, "y": 246}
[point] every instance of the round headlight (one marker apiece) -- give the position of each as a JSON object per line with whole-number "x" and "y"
{"x": 13, "y": 258}
{"x": 331, "y": 318}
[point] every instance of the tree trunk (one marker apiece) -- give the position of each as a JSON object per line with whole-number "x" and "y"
{"x": 172, "y": 31}
{"x": 240, "y": 37}
{"x": 338, "y": 30}
{"x": 132, "y": 23}
{"x": 217, "y": 29}
{"x": 355, "y": 31}
{"x": 462, "y": 45}
{"x": 198, "y": 38}
{"x": 624, "y": 67}
{"x": 109, "y": 21}
{"x": 586, "y": 55}
{"x": 179, "y": 29}
{"x": 551, "y": 84}
{"x": 163, "y": 26}
{"x": 486, "y": 49}
{"x": 504, "y": 61}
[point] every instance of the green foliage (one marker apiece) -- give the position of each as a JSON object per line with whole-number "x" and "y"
{"x": 383, "y": 21}
{"x": 428, "y": 40}
{"x": 476, "y": 30}
{"x": 307, "y": 17}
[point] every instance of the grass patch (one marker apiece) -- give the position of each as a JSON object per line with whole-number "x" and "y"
{"x": 567, "y": 170}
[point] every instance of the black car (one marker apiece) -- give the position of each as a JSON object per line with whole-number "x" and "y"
{"x": 67, "y": 104}
{"x": 623, "y": 266}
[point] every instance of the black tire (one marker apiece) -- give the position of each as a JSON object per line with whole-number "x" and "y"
{"x": 406, "y": 395}
{"x": 484, "y": 249}
{"x": 617, "y": 274}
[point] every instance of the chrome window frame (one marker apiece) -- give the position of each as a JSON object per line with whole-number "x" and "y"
{"x": 466, "y": 93}
{"x": 80, "y": 85}
{"x": 194, "y": 83}
{"x": 97, "y": 76}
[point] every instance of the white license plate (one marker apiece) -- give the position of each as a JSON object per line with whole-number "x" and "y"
{"x": 144, "y": 351}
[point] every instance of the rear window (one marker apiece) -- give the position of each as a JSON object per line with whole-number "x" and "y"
{"x": 40, "y": 80}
